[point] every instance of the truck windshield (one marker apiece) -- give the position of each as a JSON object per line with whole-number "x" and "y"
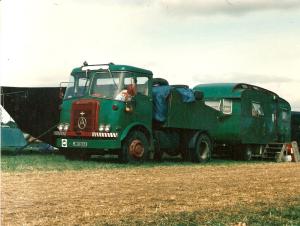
{"x": 77, "y": 87}
{"x": 106, "y": 84}
{"x": 118, "y": 85}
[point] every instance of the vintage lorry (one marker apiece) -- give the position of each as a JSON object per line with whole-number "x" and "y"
{"x": 123, "y": 110}
{"x": 252, "y": 118}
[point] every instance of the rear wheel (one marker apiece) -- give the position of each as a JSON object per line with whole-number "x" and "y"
{"x": 202, "y": 150}
{"x": 135, "y": 148}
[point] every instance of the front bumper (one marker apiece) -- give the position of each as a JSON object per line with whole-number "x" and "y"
{"x": 88, "y": 140}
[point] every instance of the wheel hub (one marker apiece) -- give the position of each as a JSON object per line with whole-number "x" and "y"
{"x": 136, "y": 149}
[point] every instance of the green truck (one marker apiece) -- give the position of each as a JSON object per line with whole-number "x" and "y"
{"x": 252, "y": 117}
{"x": 123, "y": 110}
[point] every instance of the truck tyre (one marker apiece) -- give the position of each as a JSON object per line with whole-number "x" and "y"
{"x": 202, "y": 150}
{"x": 135, "y": 148}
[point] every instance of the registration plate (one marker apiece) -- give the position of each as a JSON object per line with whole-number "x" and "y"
{"x": 79, "y": 144}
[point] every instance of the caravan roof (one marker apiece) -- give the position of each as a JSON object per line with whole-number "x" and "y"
{"x": 228, "y": 90}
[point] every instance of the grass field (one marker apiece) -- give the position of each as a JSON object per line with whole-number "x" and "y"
{"x": 48, "y": 190}
{"x": 25, "y": 163}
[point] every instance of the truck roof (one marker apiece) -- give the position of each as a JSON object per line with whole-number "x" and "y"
{"x": 115, "y": 67}
{"x": 229, "y": 90}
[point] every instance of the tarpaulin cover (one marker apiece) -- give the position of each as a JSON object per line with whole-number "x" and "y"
{"x": 12, "y": 137}
{"x": 187, "y": 95}
{"x": 160, "y": 94}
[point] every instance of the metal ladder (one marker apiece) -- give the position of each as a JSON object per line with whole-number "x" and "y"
{"x": 277, "y": 151}
{"x": 274, "y": 151}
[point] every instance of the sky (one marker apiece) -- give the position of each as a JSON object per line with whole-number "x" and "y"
{"x": 187, "y": 42}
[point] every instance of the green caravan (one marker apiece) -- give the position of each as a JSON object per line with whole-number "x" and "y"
{"x": 122, "y": 110}
{"x": 252, "y": 117}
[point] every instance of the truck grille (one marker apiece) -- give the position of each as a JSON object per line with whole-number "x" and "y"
{"x": 84, "y": 115}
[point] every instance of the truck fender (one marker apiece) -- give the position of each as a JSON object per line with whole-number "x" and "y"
{"x": 146, "y": 129}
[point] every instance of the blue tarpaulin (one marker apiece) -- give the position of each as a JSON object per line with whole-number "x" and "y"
{"x": 12, "y": 138}
{"x": 187, "y": 95}
{"x": 160, "y": 94}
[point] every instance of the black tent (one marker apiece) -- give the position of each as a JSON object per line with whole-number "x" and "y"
{"x": 35, "y": 110}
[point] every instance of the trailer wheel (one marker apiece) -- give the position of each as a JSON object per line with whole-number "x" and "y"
{"x": 202, "y": 150}
{"x": 135, "y": 148}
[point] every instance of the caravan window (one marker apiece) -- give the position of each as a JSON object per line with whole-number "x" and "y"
{"x": 216, "y": 104}
{"x": 227, "y": 106}
{"x": 224, "y": 105}
{"x": 257, "y": 110}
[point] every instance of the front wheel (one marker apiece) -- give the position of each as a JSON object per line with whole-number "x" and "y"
{"x": 135, "y": 148}
{"x": 202, "y": 150}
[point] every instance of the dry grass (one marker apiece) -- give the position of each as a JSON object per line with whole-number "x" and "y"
{"x": 144, "y": 195}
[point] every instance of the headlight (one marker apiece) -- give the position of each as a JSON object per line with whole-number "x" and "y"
{"x": 63, "y": 127}
{"x": 101, "y": 128}
{"x": 66, "y": 127}
{"x": 107, "y": 128}
{"x": 60, "y": 127}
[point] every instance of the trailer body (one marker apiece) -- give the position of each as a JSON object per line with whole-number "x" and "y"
{"x": 252, "y": 116}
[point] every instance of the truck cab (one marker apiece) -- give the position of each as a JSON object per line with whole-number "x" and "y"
{"x": 106, "y": 108}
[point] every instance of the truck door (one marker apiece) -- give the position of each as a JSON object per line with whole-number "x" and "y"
{"x": 141, "y": 103}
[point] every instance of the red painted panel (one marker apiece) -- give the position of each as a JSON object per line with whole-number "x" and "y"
{"x": 84, "y": 115}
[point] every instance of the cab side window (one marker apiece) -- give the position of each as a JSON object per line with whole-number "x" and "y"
{"x": 142, "y": 84}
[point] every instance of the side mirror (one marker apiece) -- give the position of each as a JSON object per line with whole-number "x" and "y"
{"x": 61, "y": 93}
{"x": 198, "y": 95}
{"x": 62, "y": 89}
